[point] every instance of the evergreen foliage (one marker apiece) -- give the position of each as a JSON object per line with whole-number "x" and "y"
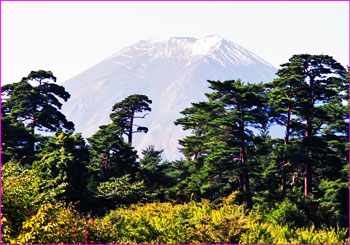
{"x": 110, "y": 155}
{"x": 36, "y": 105}
{"x": 124, "y": 113}
{"x": 228, "y": 117}
{"x": 66, "y": 158}
{"x": 236, "y": 184}
{"x": 15, "y": 138}
{"x": 153, "y": 172}
{"x": 309, "y": 87}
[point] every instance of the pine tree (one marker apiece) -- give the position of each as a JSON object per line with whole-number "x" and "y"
{"x": 245, "y": 108}
{"x": 65, "y": 158}
{"x": 35, "y": 106}
{"x": 14, "y": 142}
{"x": 306, "y": 87}
{"x": 223, "y": 136}
{"x": 111, "y": 156}
{"x": 196, "y": 118}
{"x": 124, "y": 113}
{"x": 152, "y": 169}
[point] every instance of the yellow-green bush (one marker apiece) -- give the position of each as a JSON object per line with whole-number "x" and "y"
{"x": 22, "y": 193}
{"x": 30, "y": 215}
{"x": 166, "y": 223}
{"x": 54, "y": 224}
{"x": 204, "y": 223}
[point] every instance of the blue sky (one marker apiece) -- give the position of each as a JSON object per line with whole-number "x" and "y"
{"x": 69, "y": 37}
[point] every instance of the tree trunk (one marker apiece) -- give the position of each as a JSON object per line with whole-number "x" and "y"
{"x": 284, "y": 162}
{"x": 308, "y": 165}
{"x": 32, "y": 131}
{"x": 130, "y": 129}
{"x": 247, "y": 190}
{"x": 245, "y": 179}
{"x": 283, "y": 183}
{"x": 307, "y": 179}
{"x": 241, "y": 183}
{"x": 243, "y": 158}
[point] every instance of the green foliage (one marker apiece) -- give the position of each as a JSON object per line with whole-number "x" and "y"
{"x": 33, "y": 103}
{"x": 111, "y": 156}
{"x": 66, "y": 157}
{"x": 307, "y": 100}
{"x": 223, "y": 140}
{"x": 38, "y": 106}
{"x": 125, "y": 112}
{"x": 153, "y": 172}
{"x": 205, "y": 223}
{"x": 123, "y": 191}
{"x": 269, "y": 234}
{"x": 54, "y": 224}
{"x": 288, "y": 214}
{"x": 22, "y": 193}
{"x": 14, "y": 141}
{"x": 231, "y": 161}
{"x": 113, "y": 170}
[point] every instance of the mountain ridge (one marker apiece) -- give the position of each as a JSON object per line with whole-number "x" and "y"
{"x": 172, "y": 72}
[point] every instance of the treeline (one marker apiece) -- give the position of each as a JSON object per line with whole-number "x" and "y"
{"x": 303, "y": 176}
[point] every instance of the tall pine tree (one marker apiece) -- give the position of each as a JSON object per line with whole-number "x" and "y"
{"x": 125, "y": 112}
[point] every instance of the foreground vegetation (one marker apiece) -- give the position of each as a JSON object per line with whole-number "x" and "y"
{"x": 236, "y": 184}
{"x": 31, "y": 217}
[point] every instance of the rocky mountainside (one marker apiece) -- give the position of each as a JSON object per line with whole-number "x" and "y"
{"x": 172, "y": 72}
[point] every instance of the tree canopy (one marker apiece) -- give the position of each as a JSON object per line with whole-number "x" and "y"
{"x": 125, "y": 112}
{"x": 37, "y": 105}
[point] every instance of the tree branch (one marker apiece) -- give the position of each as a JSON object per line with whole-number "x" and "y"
{"x": 142, "y": 116}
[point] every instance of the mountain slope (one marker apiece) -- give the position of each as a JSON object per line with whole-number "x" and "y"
{"x": 171, "y": 72}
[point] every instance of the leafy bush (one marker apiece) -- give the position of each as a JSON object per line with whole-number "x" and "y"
{"x": 30, "y": 214}
{"x": 54, "y": 224}
{"x": 166, "y": 223}
{"x": 22, "y": 193}
{"x": 288, "y": 214}
{"x": 265, "y": 233}
{"x": 204, "y": 222}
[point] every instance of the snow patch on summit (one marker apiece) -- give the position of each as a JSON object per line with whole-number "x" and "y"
{"x": 205, "y": 45}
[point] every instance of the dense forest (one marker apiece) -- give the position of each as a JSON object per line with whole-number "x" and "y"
{"x": 236, "y": 184}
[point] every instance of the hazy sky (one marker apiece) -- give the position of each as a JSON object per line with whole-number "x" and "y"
{"x": 69, "y": 37}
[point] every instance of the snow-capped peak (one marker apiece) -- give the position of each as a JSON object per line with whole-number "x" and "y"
{"x": 172, "y": 72}
{"x": 206, "y": 45}
{"x": 187, "y": 49}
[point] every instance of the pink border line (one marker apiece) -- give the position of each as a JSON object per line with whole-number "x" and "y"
{"x": 175, "y": 1}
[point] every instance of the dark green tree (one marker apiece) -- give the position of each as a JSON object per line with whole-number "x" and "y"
{"x": 283, "y": 100}
{"x": 125, "y": 112}
{"x": 245, "y": 109}
{"x": 307, "y": 86}
{"x": 66, "y": 158}
{"x": 34, "y": 103}
{"x": 178, "y": 173}
{"x": 111, "y": 156}
{"x": 14, "y": 142}
{"x": 37, "y": 105}
{"x": 197, "y": 119}
{"x": 152, "y": 169}
{"x": 223, "y": 134}
{"x": 123, "y": 191}
{"x": 112, "y": 164}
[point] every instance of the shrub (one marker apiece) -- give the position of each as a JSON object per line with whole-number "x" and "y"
{"x": 288, "y": 214}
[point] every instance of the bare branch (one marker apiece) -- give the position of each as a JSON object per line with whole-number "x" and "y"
{"x": 142, "y": 116}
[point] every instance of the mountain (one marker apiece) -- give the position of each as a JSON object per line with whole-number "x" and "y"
{"x": 172, "y": 72}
